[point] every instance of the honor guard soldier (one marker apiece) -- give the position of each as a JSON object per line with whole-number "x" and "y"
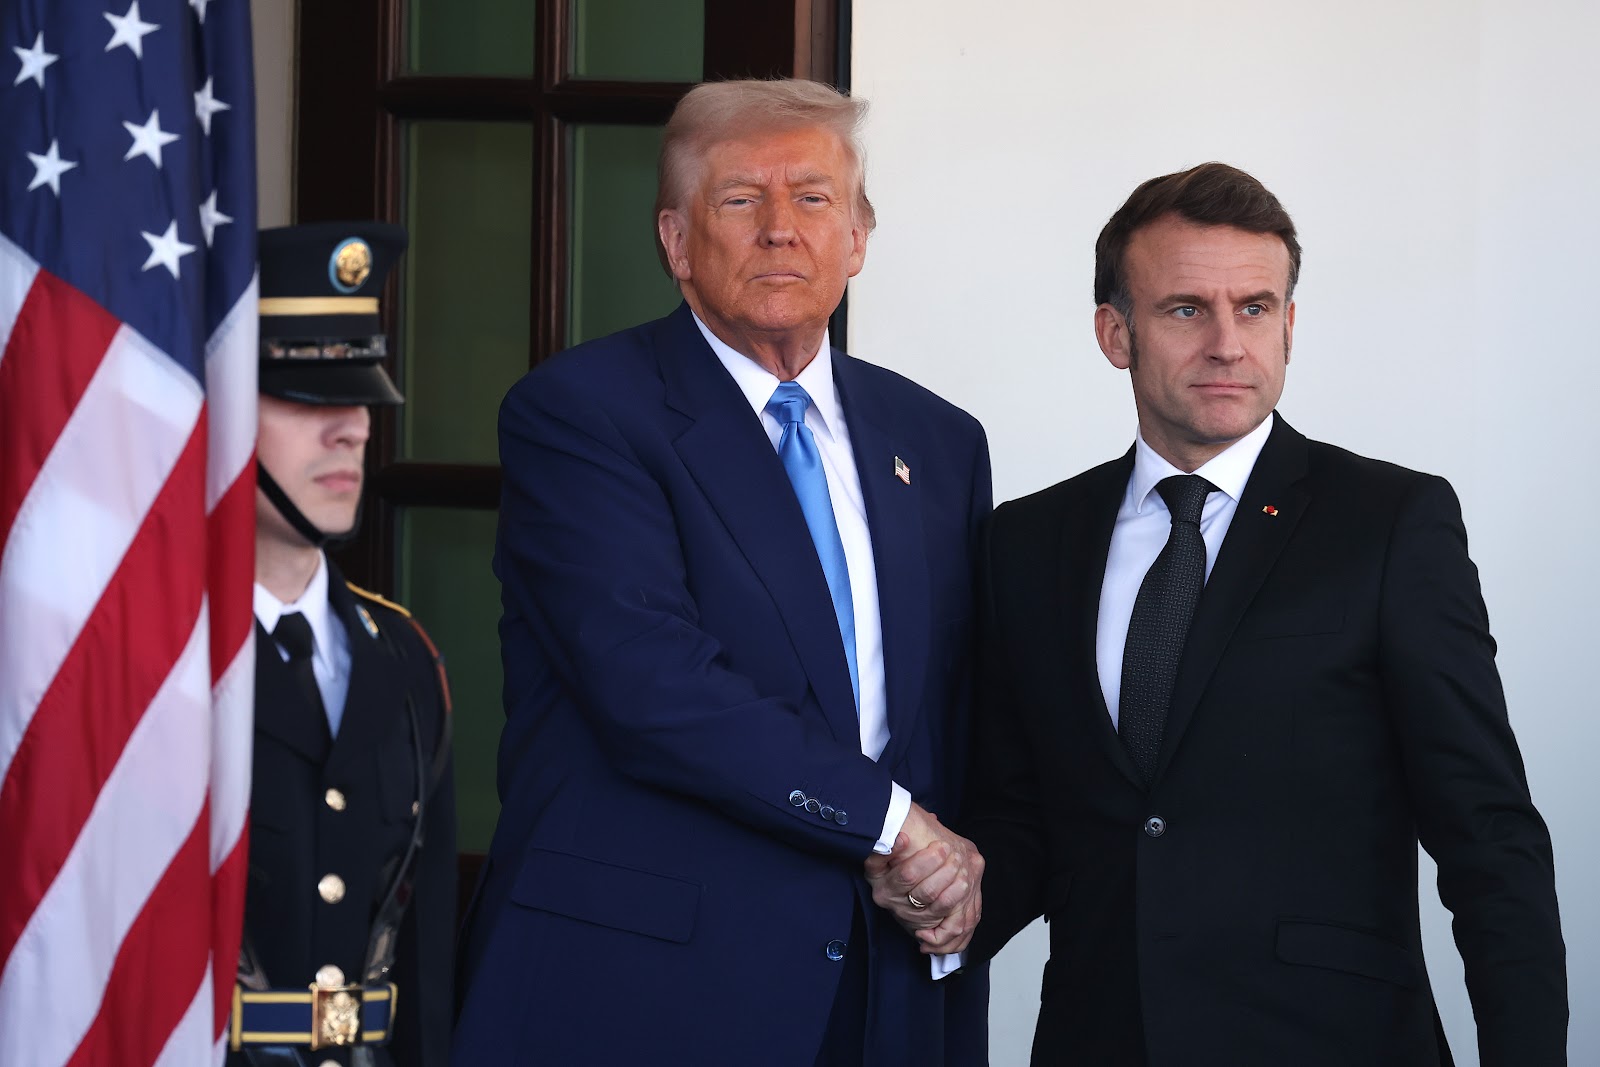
{"x": 351, "y": 901}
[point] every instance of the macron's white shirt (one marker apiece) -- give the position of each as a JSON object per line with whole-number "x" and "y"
{"x": 1143, "y": 523}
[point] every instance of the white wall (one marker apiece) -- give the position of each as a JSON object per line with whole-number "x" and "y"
{"x": 1439, "y": 157}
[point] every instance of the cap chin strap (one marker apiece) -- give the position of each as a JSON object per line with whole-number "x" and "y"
{"x": 296, "y": 518}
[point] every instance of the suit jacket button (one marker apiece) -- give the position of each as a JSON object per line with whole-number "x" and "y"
{"x": 331, "y": 888}
{"x": 813, "y": 805}
{"x": 797, "y": 798}
{"x": 334, "y": 799}
{"x": 827, "y": 812}
{"x": 1155, "y": 826}
{"x": 841, "y": 817}
{"x": 835, "y": 950}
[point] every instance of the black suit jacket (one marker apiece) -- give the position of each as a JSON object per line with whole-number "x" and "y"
{"x": 1337, "y": 702}
{"x": 296, "y": 837}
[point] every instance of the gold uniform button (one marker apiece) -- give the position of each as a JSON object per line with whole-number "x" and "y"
{"x": 334, "y": 799}
{"x": 329, "y": 976}
{"x": 331, "y": 888}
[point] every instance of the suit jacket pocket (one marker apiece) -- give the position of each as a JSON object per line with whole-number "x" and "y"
{"x": 1342, "y": 948}
{"x": 621, "y": 898}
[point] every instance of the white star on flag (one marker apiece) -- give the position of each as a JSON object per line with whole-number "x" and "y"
{"x": 166, "y": 249}
{"x": 200, "y": 9}
{"x": 148, "y": 139}
{"x": 210, "y": 217}
{"x": 129, "y": 30}
{"x": 34, "y": 60}
{"x": 49, "y": 168}
{"x": 206, "y": 105}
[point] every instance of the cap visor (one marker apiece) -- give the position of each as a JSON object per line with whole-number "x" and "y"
{"x": 329, "y": 382}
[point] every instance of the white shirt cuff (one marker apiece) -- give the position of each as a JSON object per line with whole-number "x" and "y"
{"x": 894, "y": 818}
{"x": 948, "y": 964}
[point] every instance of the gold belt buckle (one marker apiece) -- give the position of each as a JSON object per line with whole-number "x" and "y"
{"x": 335, "y": 1010}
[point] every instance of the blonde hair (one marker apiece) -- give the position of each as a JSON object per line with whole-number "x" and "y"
{"x": 723, "y": 111}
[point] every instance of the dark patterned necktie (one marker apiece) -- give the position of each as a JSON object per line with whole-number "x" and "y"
{"x": 293, "y": 635}
{"x": 1160, "y": 622}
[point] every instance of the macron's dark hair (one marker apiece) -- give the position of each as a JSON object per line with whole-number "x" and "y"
{"x": 1212, "y": 194}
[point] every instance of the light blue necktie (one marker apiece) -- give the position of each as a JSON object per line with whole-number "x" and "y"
{"x": 797, "y": 448}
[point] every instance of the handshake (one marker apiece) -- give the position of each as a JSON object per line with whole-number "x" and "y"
{"x": 931, "y": 883}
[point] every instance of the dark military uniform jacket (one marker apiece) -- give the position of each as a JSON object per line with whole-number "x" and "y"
{"x": 346, "y": 807}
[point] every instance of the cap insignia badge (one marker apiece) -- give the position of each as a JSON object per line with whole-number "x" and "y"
{"x": 350, "y": 264}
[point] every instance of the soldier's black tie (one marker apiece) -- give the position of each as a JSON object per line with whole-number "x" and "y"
{"x": 1160, "y": 622}
{"x": 293, "y": 634}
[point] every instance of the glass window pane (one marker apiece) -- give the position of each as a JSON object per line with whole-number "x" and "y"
{"x": 468, "y": 280}
{"x": 616, "y": 279}
{"x": 482, "y": 37}
{"x": 447, "y": 581}
{"x": 639, "y": 40}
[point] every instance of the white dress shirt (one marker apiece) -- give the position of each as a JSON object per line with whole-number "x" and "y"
{"x": 825, "y": 418}
{"x": 1143, "y": 523}
{"x": 330, "y": 645}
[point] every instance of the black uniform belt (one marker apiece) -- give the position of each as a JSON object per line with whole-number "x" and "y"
{"x": 317, "y": 1017}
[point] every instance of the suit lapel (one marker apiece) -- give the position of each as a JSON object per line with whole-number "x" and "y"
{"x": 376, "y": 696}
{"x": 1085, "y": 546}
{"x": 282, "y": 710}
{"x": 899, "y": 550}
{"x": 1255, "y": 539}
{"x": 729, "y": 456}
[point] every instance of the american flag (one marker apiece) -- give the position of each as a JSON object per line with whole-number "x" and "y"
{"x": 127, "y": 510}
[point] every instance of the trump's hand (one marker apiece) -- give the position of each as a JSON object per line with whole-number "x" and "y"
{"x": 931, "y": 883}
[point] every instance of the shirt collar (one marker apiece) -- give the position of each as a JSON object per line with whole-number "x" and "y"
{"x": 313, "y": 604}
{"x": 757, "y": 383}
{"x": 1229, "y": 470}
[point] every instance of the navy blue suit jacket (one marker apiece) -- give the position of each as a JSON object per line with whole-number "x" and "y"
{"x": 674, "y": 673}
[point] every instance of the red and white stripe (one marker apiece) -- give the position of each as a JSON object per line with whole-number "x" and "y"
{"x": 127, "y": 523}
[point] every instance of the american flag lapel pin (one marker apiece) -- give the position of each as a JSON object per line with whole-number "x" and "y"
{"x": 901, "y": 470}
{"x": 1270, "y": 510}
